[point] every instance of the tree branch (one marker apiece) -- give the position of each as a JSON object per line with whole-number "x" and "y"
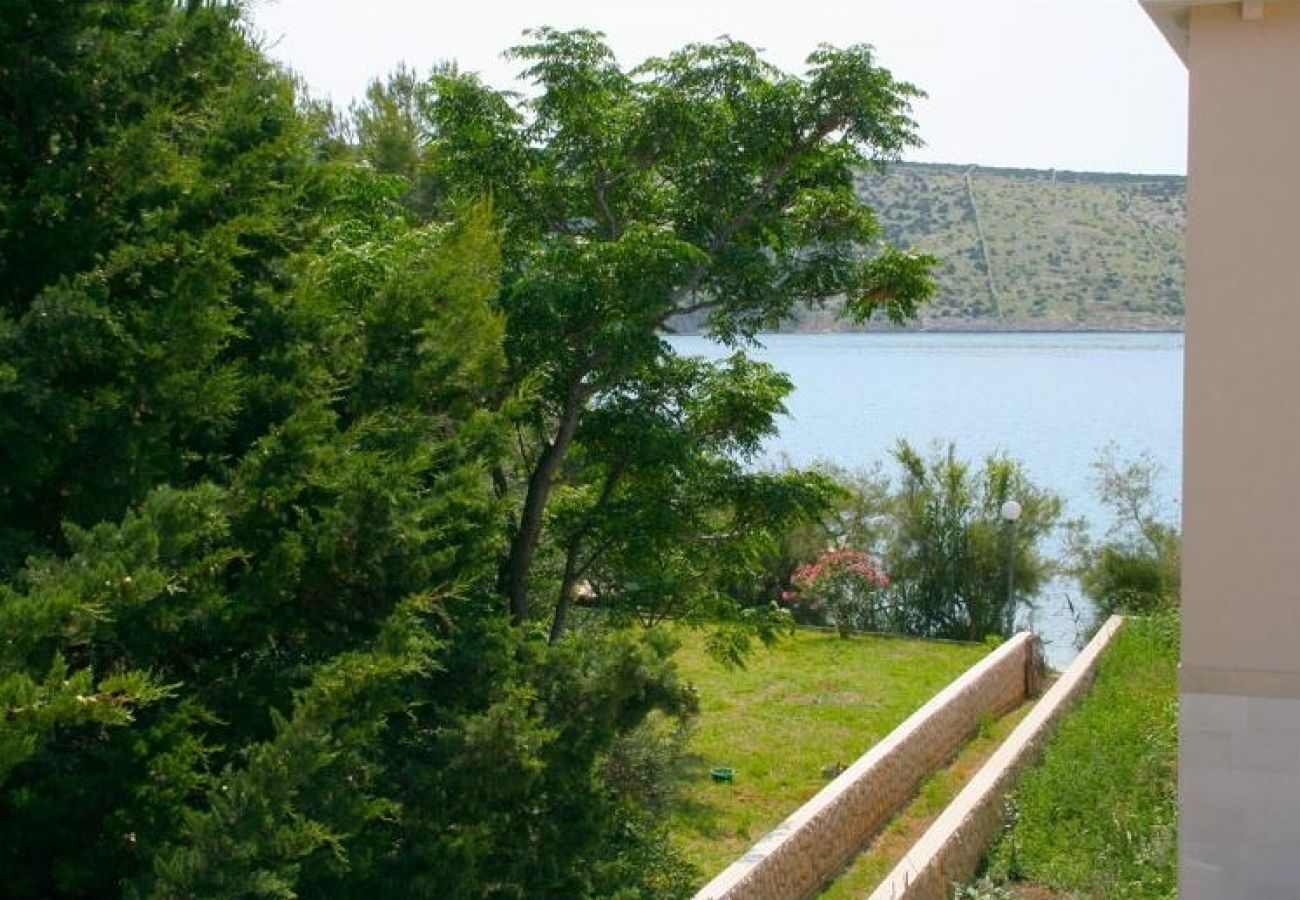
{"x": 601, "y": 184}
{"x": 746, "y": 213}
{"x": 519, "y": 564}
{"x": 572, "y": 570}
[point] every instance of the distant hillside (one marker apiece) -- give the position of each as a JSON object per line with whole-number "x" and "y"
{"x": 1029, "y": 249}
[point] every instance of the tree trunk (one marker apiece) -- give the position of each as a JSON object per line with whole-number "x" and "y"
{"x": 572, "y": 570}
{"x": 568, "y": 584}
{"x": 522, "y": 549}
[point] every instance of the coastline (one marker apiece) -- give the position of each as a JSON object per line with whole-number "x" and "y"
{"x": 974, "y": 326}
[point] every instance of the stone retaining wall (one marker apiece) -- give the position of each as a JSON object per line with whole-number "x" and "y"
{"x": 950, "y": 850}
{"x": 795, "y": 858}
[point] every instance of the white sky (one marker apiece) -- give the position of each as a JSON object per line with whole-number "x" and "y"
{"x": 1067, "y": 84}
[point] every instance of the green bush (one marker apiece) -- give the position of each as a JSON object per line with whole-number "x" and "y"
{"x": 950, "y": 551}
{"x": 1136, "y": 567}
{"x": 1135, "y": 580}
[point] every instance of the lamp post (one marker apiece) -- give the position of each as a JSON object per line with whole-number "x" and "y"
{"x": 1010, "y": 515}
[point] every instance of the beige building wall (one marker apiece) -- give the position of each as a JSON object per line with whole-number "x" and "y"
{"x": 1239, "y": 769}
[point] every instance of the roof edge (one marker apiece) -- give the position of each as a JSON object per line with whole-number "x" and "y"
{"x": 1172, "y": 18}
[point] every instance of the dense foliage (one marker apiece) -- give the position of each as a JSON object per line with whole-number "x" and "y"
{"x": 964, "y": 570}
{"x": 848, "y": 587}
{"x": 298, "y": 453}
{"x": 154, "y": 179}
{"x": 948, "y": 564}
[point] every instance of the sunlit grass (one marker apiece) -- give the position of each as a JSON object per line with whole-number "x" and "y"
{"x": 787, "y": 721}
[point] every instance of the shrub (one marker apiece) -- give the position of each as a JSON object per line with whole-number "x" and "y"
{"x": 1135, "y": 580}
{"x": 959, "y": 570}
{"x": 844, "y": 588}
{"x": 1136, "y": 568}
{"x": 955, "y": 568}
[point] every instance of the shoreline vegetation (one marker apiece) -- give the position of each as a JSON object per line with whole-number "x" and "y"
{"x": 984, "y": 326}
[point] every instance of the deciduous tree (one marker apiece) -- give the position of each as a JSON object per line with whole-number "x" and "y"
{"x": 705, "y": 183}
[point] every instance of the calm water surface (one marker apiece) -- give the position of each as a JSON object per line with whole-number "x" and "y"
{"x": 1050, "y": 400}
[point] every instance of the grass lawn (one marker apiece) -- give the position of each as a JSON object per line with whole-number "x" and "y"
{"x": 813, "y": 701}
{"x": 1098, "y": 816}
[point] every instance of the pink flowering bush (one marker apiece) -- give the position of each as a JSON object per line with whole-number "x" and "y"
{"x": 844, "y": 588}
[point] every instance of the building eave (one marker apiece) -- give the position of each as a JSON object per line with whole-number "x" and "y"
{"x": 1172, "y": 17}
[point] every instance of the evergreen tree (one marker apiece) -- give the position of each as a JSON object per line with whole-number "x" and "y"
{"x": 282, "y": 459}
{"x": 250, "y": 414}
{"x": 153, "y": 180}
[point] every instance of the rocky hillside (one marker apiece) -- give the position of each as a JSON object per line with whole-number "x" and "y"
{"x": 1030, "y": 249}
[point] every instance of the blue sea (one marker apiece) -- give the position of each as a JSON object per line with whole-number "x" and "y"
{"x": 1052, "y": 401}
